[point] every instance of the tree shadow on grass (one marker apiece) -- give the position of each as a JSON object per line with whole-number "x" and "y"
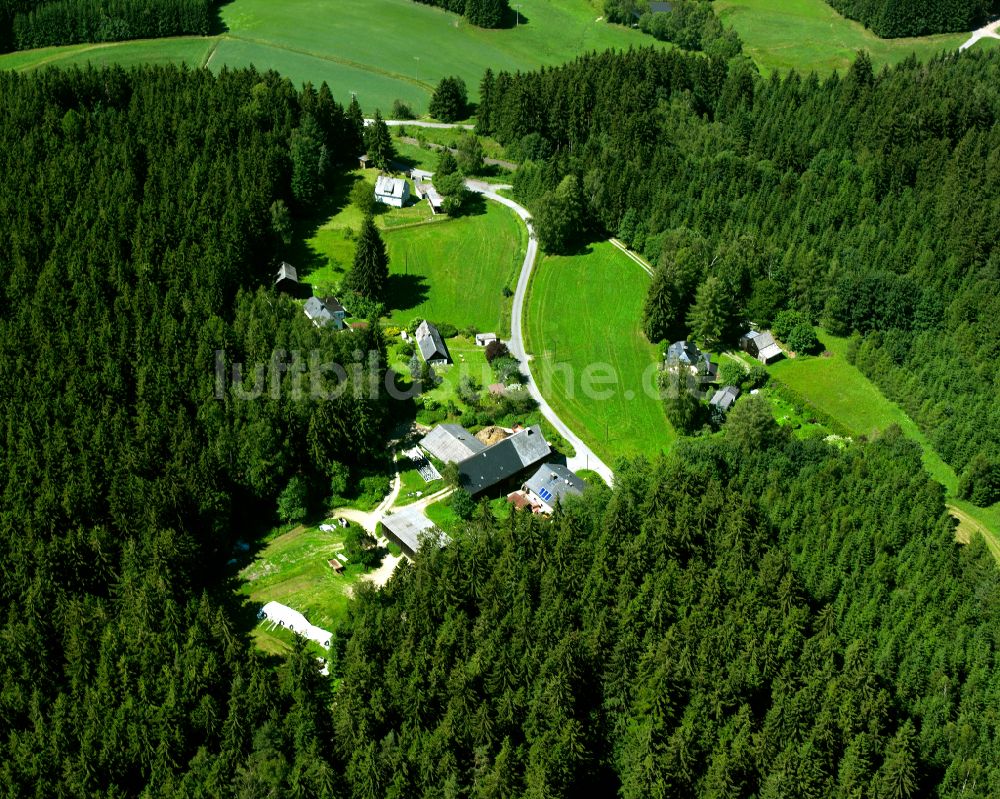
{"x": 300, "y": 253}
{"x": 473, "y": 205}
{"x": 406, "y": 291}
{"x": 215, "y": 22}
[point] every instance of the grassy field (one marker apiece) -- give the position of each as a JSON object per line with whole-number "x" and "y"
{"x": 809, "y": 35}
{"x": 584, "y": 311}
{"x": 447, "y": 270}
{"x": 380, "y": 49}
{"x": 191, "y": 50}
{"x": 456, "y": 271}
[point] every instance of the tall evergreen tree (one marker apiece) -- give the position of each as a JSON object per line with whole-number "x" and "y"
{"x": 709, "y": 315}
{"x": 449, "y": 102}
{"x": 369, "y": 276}
{"x": 378, "y": 143}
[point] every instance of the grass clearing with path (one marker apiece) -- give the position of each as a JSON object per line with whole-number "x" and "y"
{"x": 583, "y": 311}
{"x": 840, "y": 390}
{"x": 292, "y": 569}
{"x": 808, "y": 35}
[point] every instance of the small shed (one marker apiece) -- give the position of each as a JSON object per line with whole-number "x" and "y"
{"x": 482, "y": 339}
{"x": 363, "y": 162}
{"x": 287, "y": 278}
{"x": 336, "y": 565}
{"x": 724, "y": 398}
{"x": 761, "y": 345}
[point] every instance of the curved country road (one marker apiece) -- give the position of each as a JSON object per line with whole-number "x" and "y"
{"x": 585, "y": 458}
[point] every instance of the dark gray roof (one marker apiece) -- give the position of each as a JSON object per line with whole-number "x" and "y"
{"x": 554, "y": 482}
{"x": 725, "y": 397}
{"x": 683, "y": 351}
{"x": 503, "y": 460}
{"x": 451, "y": 443}
{"x": 286, "y": 272}
{"x": 334, "y": 305}
{"x": 317, "y": 311}
{"x": 430, "y": 342}
{"x": 658, "y": 8}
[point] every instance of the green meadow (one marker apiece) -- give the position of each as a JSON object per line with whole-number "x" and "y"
{"x": 584, "y": 311}
{"x": 808, "y": 35}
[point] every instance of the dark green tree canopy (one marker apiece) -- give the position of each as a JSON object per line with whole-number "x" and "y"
{"x": 450, "y": 100}
{"x": 369, "y": 276}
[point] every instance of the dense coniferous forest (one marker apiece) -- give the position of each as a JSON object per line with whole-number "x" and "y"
{"x": 756, "y": 616}
{"x": 892, "y": 19}
{"x": 137, "y": 241}
{"x": 868, "y": 202}
{"x": 25, "y": 24}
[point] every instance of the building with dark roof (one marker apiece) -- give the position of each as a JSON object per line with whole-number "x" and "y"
{"x": 321, "y": 315}
{"x": 683, "y": 352}
{"x": 552, "y": 483}
{"x": 724, "y": 398}
{"x": 503, "y": 461}
{"x": 451, "y": 443}
{"x": 431, "y": 345}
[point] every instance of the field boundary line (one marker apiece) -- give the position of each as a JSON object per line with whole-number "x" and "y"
{"x": 331, "y": 58}
{"x": 646, "y": 266}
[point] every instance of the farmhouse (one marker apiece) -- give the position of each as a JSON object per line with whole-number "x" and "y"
{"x": 482, "y": 339}
{"x": 431, "y": 345}
{"x": 321, "y": 314}
{"x": 287, "y": 278}
{"x": 409, "y": 529}
{"x": 761, "y": 345}
{"x": 684, "y": 353}
{"x": 724, "y": 398}
{"x": 549, "y": 485}
{"x": 503, "y": 461}
{"x": 392, "y": 191}
{"x": 451, "y": 443}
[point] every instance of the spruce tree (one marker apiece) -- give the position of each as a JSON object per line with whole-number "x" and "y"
{"x": 378, "y": 143}
{"x": 709, "y": 314}
{"x": 450, "y": 100}
{"x": 660, "y": 311}
{"x": 369, "y": 275}
{"x": 355, "y": 127}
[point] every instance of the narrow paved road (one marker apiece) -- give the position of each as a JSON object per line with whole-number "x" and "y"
{"x": 991, "y": 31}
{"x": 419, "y": 123}
{"x": 585, "y": 457}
